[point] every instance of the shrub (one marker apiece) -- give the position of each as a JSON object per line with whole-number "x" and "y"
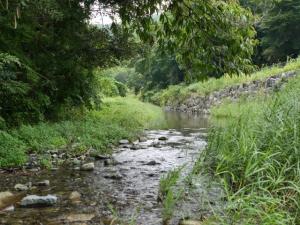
{"x": 12, "y": 151}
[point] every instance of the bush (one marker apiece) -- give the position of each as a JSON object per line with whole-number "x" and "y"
{"x": 12, "y": 151}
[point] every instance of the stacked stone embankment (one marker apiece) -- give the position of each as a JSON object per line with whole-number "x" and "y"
{"x": 202, "y": 104}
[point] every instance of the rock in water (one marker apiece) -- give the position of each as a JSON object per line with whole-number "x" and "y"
{"x": 190, "y": 222}
{"x": 5, "y": 199}
{"x": 21, "y": 187}
{"x": 88, "y": 166}
{"x": 9, "y": 209}
{"x": 34, "y": 200}
{"x": 75, "y": 196}
{"x": 152, "y": 163}
{"x": 163, "y": 138}
{"x": 43, "y": 183}
{"x": 142, "y": 139}
{"x": 123, "y": 142}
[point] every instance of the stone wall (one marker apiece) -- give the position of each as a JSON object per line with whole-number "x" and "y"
{"x": 202, "y": 104}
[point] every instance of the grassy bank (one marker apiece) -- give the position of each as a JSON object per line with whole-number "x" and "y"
{"x": 119, "y": 118}
{"x": 255, "y": 152}
{"x": 178, "y": 93}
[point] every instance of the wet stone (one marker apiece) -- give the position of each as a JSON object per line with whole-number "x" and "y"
{"x": 114, "y": 176}
{"x": 124, "y": 142}
{"x": 76, "y": 162}
{"x": 100, "y": 157}
{"x": 43, "y": 183}
{"x": 21, "y": 187}
{"x": 142, "y": 139}
{"x": 88, "y": 166}
{"x": 5, "y": 198}
{"x": 8, "y": 209}
{"x": 162, "y": 138}
{"x": 190, "y": 222}
{"x": 35, "y": 200}
{"x": 152, "y": 163}
{"x": 135, "y": 147}
{"x": 75, "y": 196}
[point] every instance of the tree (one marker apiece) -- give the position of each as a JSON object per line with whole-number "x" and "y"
{"x": 281, "y": 31}
{"x": 54, "y": 52}
{"x": 208, "y": 38}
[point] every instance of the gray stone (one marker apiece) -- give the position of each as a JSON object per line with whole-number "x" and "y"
{"x": 21, "y": 187}
{"x": 5, "y": 199}
{"x": 135, "y": 147}
{"x": 142, "y": 139}
{"x": 35, "y": 200}
{"x": 111, "y": 162}
{"x": 43, "y": 183}
{"x": 123, "y": 142}
{"x": 88, "y": 166}
{"x": 162, "y": 138}
{"x": 114, "y": 176}
{"x": 152, "y": 163}
{"x": 75, "y": 196}
{"x": 100, "y": 156}
{"x": 76, "y": 162}
{"x": 9, "y": 209}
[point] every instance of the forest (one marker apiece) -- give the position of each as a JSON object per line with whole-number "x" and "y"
{"x": 115, "y": 92}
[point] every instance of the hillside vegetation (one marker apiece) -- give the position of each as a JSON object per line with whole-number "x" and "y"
{"x": 181, "y": 92}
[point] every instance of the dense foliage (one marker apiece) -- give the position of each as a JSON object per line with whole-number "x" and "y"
{"x": 277, "y": 28}
{"x": 281, "y": 31}
{"x": 49, "y": 52}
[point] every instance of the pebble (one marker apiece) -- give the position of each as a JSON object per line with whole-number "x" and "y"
{"x": 123, "y": 142}
{"x": 75, "y": 196}
{"x": 152, "y": 163}
{"x": 8, "y": 209}
{"x": 88, "y": 166}
{"x": 43, "y": 183}
{"x": 142, "y": 139}
{"x": 115, "y": 176}
{"x": 21, "y": 187}
{"x": 163, "y": 138}
{"x": 190, "y": 222}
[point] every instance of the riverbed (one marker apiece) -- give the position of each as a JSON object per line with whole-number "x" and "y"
{"x": 123, "y": 189}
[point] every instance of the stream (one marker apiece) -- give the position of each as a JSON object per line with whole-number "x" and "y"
{"x": 125, "y": 188}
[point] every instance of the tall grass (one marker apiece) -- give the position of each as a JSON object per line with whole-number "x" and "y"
{"x": 119, "y": 118}
{"x": 178, "y": 93}
{"x": 168, "y": 193}
{"x": 256, "y": 154}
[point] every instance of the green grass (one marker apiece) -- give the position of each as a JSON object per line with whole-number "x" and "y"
{"x": 168, "y": 193}
{"x": 119, "y": 118}
{"x": 255, "y": 153}
{"x": 179, "y": 93}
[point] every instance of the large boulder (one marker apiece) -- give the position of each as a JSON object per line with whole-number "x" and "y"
{"x": 35, "y": 200}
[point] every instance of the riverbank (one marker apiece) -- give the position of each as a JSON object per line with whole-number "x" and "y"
{"x": 200, "y": 97}
{"x": 253, "y": 151}
{"x": 51, "y": 144}
{"x": 125, "y": 188}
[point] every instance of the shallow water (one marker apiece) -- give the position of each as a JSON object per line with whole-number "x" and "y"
{"x": 127, "y": 189}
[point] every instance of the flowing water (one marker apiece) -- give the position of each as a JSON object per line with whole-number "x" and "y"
{"x": 126, "y": 187}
